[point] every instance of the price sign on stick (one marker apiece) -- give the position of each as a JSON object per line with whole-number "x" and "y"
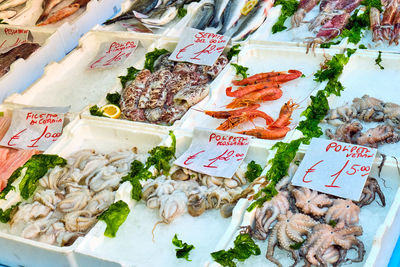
{"x": 11, "y": 37}
{"x": 215, "y": 153}
{"x": 113, "y": 54}
{"x": 34, "y": 128}
{"x": 199, "y": 47}
{"x": 335, "y": 168}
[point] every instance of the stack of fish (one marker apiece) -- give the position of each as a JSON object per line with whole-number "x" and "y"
{"x": 22, "y": 51}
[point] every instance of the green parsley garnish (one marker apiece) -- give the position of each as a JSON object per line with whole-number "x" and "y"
{"x": 244, "y": 247}
{"x": 234, "y": 51}
{"x": 182, "y": 12}
{"x": 130, "y": 76}
{"x": 95, "y": 111}
{"x": 240, "y": 70}
{"x": 361, "y": 46}
{"x": 151, "y": 57}
{"x": 332, "y": 223}
{"x": 378, "y": 60}
{"x": 5, "y": 216}
{"x": 114, "y": 98}
{"x": 114, "y": 217}
{"x": 183, "y": 250}
{"x": 254, "y": 170}
{"x": 289, "y": 7}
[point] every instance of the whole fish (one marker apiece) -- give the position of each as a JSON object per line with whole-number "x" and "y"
{"x": 162, "y": 18}
{"x": 219, "y": 8}
{"x": 231, "y": 14}
{"x": 48, "y": 6}
{"x": 22, "y": 51}
{"x": 145, "y": 6}
{"x": 202, "y": 17}
{"x": 253, "y": 20}
{"x": 11, "y": 3}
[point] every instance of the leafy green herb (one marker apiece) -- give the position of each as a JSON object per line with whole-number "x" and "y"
{"x": 297, "y": 246}
{"x": 138, "y": 172}
{"x": 5, "y": 215}
{"x": 350, "y": 52}
{"x": 234, "y": 51}
{"x": 95, "y": 111}
{"x": 183, "y": 250}
{"x": 378, "y": 60}
{"x": 303, "y": 76}
{"x": 36, "y": 167}
{"x": 244, "y": 247}
{"x": 240, "y": 70}
{"x": 114, "y": 217}
{"x": 329, "y": 44}
{"x": 289, "y": 7}
{"x": 182, "y": 12}
{"x": 373, "y": 3}
{"x": 151, "y": 57}
{"x": 114, "y": 98}
{"x": 130, "y": 76}
{"x": 332, "y": 223}
{"x": 160, "y": 156}
{"x": 361, "y": 46}
{"x": 332, "y": 69}
{"x": 254, "y": 170}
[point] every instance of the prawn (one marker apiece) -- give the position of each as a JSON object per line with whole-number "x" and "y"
{"x": 270, "y": 134}
{"x": 285, "y": 115}
{"x": 283, "y": 76}
{"x": 229, "y": 113}
{"x": 266, "y": 94}
{"x": 241, "y": 91}
{"x": 234, "y": 121}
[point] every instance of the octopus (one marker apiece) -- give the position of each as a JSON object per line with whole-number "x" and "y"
{"x": 268, "y": 214}
{"x": 347, "y": 132}
{"x": 378, "y": 135}
{"x": 324, "y": 237}
{"x": 290, "y": 229}
{"x": 343, "y": 211}
{"x": 370, "y": 189}
{"x": 392, "y": 115}
{"x": 311, "y": 202}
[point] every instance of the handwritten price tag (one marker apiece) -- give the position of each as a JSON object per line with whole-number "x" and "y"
{"x": 335, "y": 168}
{"x": 113, "y": 54}
{"x": 215, "y": 153}
{"x": 199, "y": 47}
{"x": 11, "y": 37}
{"x": 34, "y": 128}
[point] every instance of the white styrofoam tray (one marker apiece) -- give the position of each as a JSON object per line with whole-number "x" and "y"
{"x": 263, "y": 58}
{"x": 104, "y": 137}
{"x": 133, "y": 245}
{"x": 71, "y": 82}
{"x": 169, "y": 44}
{"x": 362, "y": 76}
{"x": 380, "y": 224}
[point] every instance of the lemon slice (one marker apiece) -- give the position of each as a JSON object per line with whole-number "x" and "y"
{"x": 248, "y": 7}
{"x": 111, "y": 111}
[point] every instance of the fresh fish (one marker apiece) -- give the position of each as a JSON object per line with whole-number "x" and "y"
{"x": 231, "y": 15}
{"x": 48, "y": 6}
{"x": 7, "y": 14}
{"x": 162, "y": 18}
{"x": 11, "y": 3}
{"x": 253, "y": 20}
{"x": 61, "y": 14}
{"x": 22, "y": 51}
{"x": 202, "y": 17}
{"x": 145, "y": 6}
{"x": 219, "y": 8}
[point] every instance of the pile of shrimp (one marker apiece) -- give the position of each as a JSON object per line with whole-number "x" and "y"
{"x": 251, "y": 91}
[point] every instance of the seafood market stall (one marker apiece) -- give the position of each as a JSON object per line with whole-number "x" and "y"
{"x": 211, "y": 133}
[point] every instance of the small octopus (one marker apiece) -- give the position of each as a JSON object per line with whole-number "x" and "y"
{"x": 368, "y": 194}
{"x": 311, "y": 202}
{"x": 343, "y": 211}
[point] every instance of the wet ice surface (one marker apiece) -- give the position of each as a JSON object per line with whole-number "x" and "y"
{"x": 71, "y": 82}
{"x": 380, "y": 45}
{"x": 362, "y": 76}
{"x": 261, "y": 59}
{"x": 133, "y": 243}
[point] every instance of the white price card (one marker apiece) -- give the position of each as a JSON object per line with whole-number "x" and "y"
{"x": 112, "y": 54}
{"x": 199, "y": 47}
{"x": 335, "y": 168}
{"x": 11, "y": 37}
{"x": 34, "y": 127}
{"x": 214, "y": 152}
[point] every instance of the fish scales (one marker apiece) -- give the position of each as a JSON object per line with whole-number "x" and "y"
{"x": 22, "y": 51}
